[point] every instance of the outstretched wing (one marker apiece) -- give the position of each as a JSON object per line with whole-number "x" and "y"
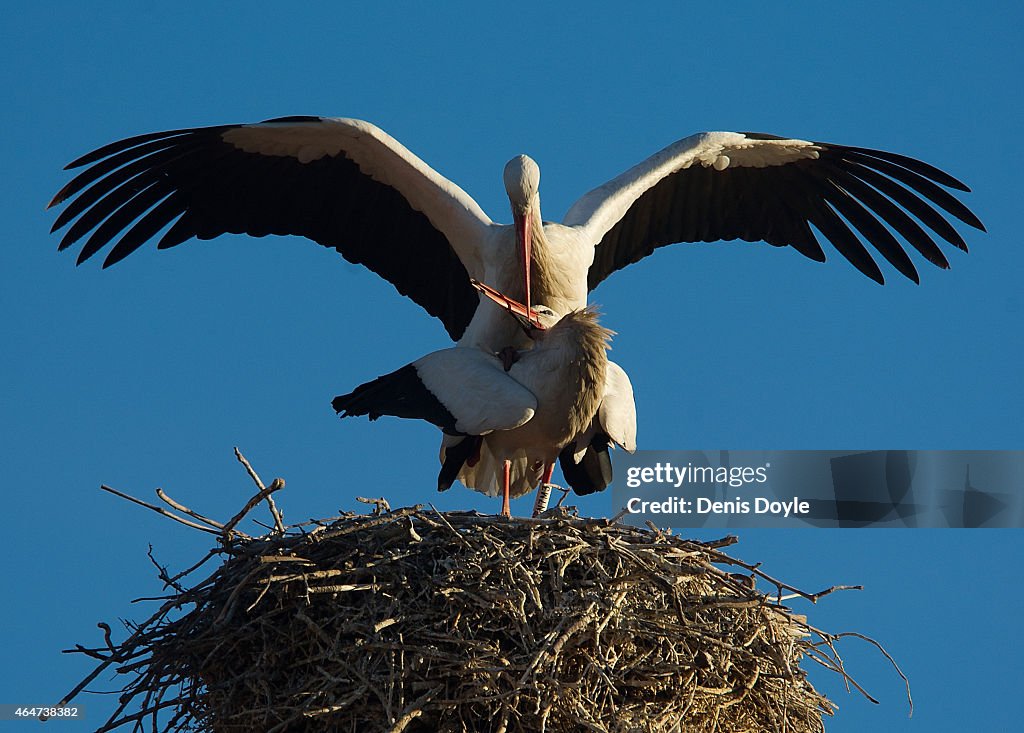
{"x": 752, "y": 186}
{"x": 342, "y": 183}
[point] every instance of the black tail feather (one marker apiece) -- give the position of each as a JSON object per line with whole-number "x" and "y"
{"x": 455, "y": 458}
{"x": 594, "y": 472}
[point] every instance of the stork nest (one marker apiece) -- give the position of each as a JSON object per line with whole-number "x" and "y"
{"x": 417, "y": 620}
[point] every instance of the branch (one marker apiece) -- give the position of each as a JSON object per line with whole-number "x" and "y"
{"x": 278, "y": 518}
{"x": 160, "y": 510}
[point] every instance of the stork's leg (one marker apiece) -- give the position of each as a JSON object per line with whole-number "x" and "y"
{"x": 506, "y": 509}
{"x": 544, "y": 491}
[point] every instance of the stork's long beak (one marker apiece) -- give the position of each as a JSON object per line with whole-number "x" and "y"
{"x": 526, "y": 316}
{"x": 521, "y": 222}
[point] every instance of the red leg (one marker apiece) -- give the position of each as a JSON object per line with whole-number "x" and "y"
{"x": 506, "y": 509}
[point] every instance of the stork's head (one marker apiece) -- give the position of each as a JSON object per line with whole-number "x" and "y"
{"x": 522, "y": 179}
{"x": 541, "y": 319}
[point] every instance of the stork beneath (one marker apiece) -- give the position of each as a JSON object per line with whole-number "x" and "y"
{"x": 524, "y": 415}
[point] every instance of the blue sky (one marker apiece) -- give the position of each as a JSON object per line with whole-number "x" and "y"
{"x": 148, "y": 374}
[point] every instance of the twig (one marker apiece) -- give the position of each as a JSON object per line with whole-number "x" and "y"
{"x": 413, "y": 711}
{"x": 888, "y": 656}
{"x": 161, "y": 510}
{"x": 106, "y": 637}
{"x": 278, "y": 518}
{"x": 116, "y": 657}
{"x": 162, "y": 572}
{"x": 380, "y": 505}
{"x": 755, "y": 569}
{"x": 185, "y": 510}
{"x": 813, "y": 597}
{"x": 444, "y": 520}
{"x": 229, "y": 527}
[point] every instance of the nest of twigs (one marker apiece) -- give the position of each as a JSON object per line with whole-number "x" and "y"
{"x": 416, "y": 620}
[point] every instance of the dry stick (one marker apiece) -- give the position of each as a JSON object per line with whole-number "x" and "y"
{"x": 888, "y": 656}
{"x": 137, "y": 716}
{"x": 212, "y": 553}
{"x": 278, "y": 519}
{"x": 379, "y": 505}
{"x": 113, "y": 658}
{"x": 726, "y": 541}
{"x": 106, "y": 636}
{"x": 185, "y": 510}
{"x": 229, "y": 527}
{"x": 413, "y": 711}
{"x": 161, "y": 510}
{"x": 817, "y": 655}
{"x": 820, "y": 594}
{"x": 376, "y": 521}
{"x": 413, "y": 534}
{"x": 163, "y": 575}
{"x": 94, "y": 653}
{"x": 812, "y": 597}
{"x": 229, "y": 605}
{"x": 455, "y": 532}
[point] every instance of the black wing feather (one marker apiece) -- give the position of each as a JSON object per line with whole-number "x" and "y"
{"x": 594, "y": 472}
{"x": 893, "y": 215}
{"x": 204, "y": 187}
{"x": 779, "y": 204}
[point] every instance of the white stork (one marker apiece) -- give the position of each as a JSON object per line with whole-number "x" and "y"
{"x": 524, "y": 412}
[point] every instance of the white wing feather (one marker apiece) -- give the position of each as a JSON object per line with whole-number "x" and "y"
{"x": 617, "y": 413}
{"x": 476, "y": 390}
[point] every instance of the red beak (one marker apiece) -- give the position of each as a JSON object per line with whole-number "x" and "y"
{"x": 522, "y": 227}
{"x": 513, "y": 306}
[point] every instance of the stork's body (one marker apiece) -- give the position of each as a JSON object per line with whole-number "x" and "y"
{"x": 565, "y": 371}
{"x": 521, "y": 418}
